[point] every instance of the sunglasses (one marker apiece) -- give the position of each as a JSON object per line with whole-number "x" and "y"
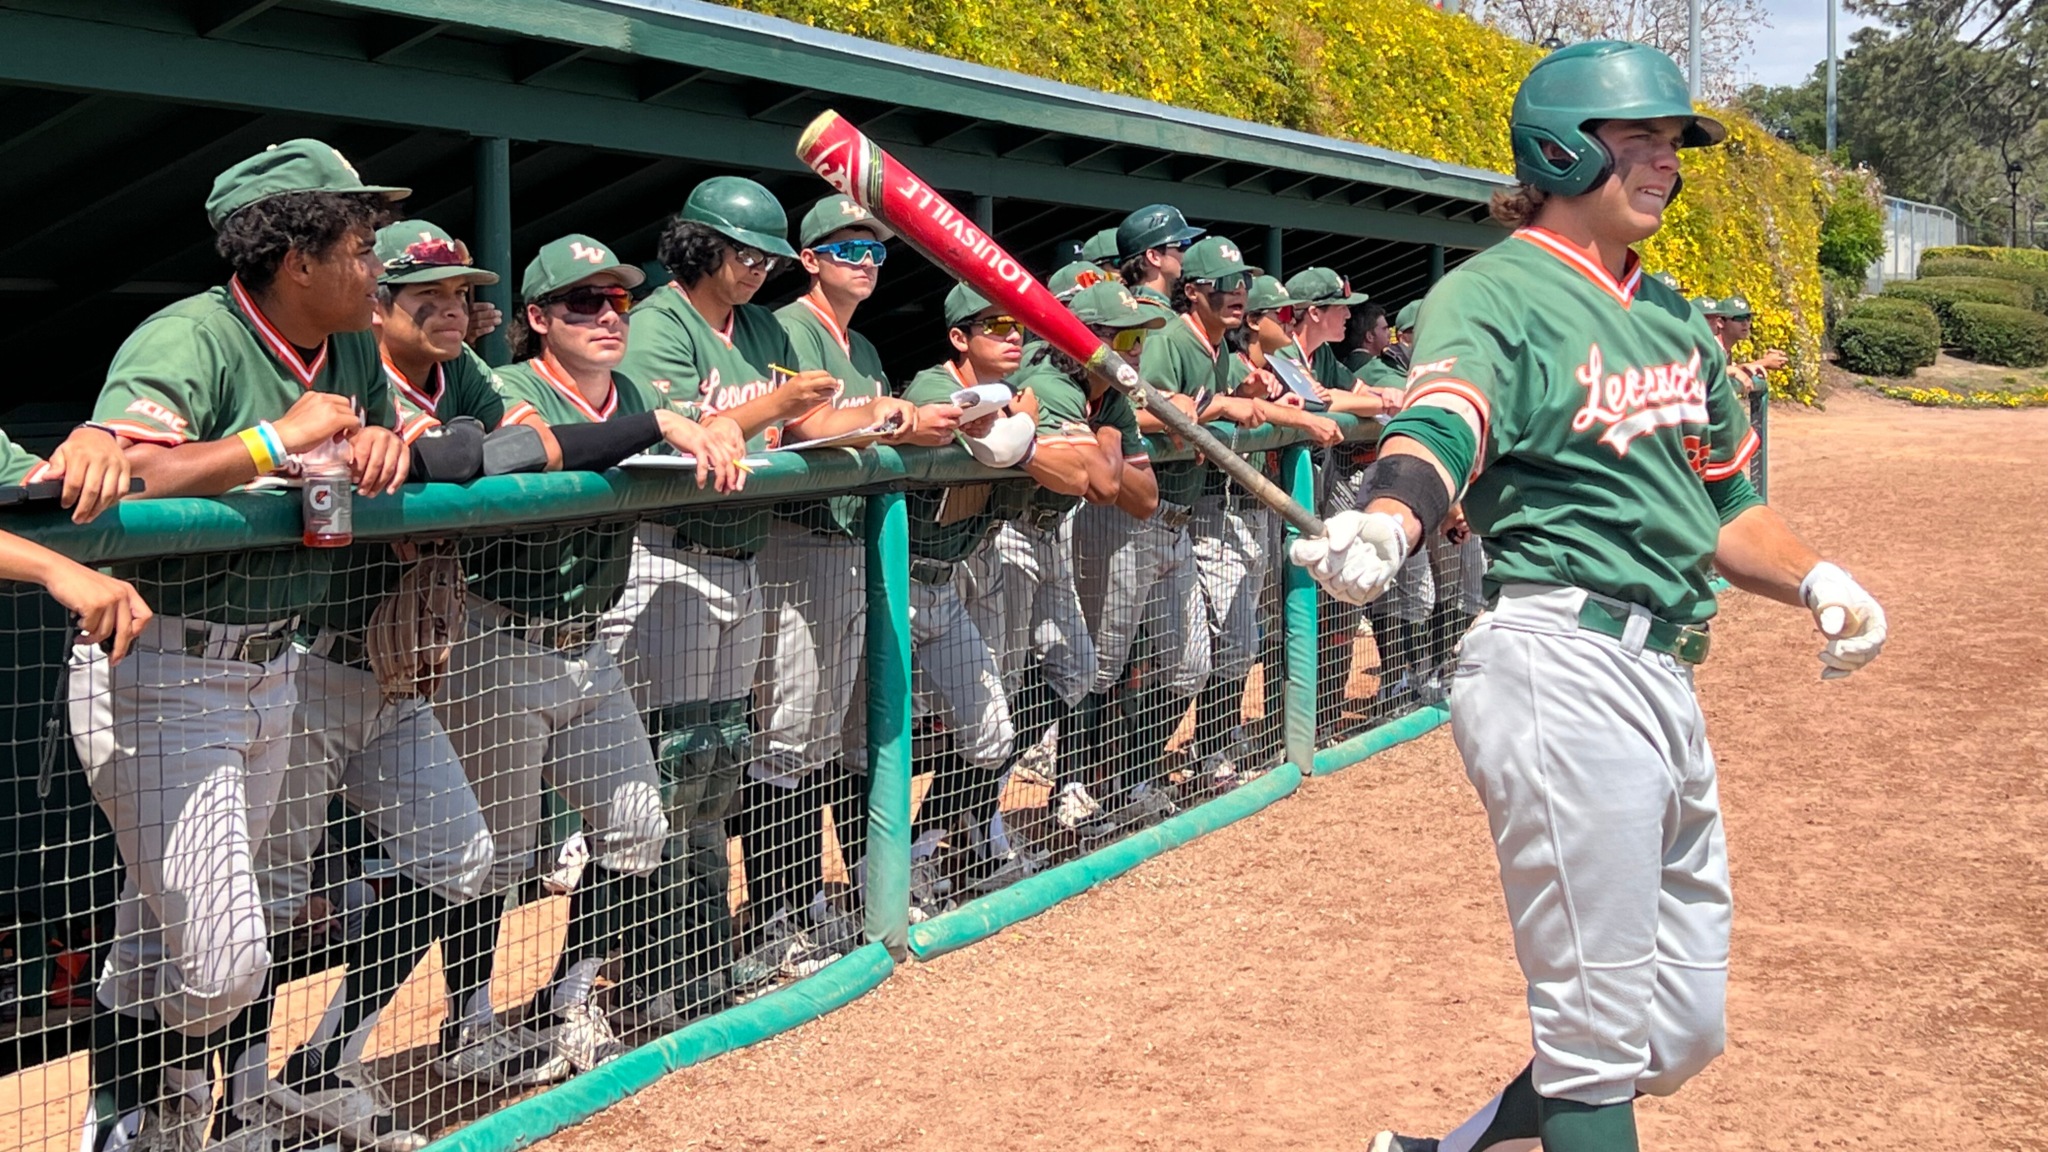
{"x": 591, "y": 301}
{"x": 1737, "y": 319}
{"x": 752, "y": 258}
{"x": 1230, "y": 283}
{"x": 1122, "y": 339}
{"x": 431, "y": 254}
{"x": 855, "y": 251}
{"x": 1000, "y": 327}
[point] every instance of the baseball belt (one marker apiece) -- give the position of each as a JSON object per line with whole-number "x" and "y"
{"x": 259, "y": 646}
{"x": 1045, "y": 519}
{"x": 926, "y": 571}
{"x": 1173, "y": 516}
{"x": 1685, "y": 642}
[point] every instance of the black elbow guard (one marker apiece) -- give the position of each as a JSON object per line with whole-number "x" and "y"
{"x": 1412, "y": 481}
{"x": 596, "y": 447}
{"x": 450, "y": 454}
{"x": 515, "y": 448}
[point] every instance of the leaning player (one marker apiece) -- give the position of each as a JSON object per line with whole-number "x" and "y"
{"x": 1602, "y": 509}
{"x": 95, "y": 475}
{"x": 816, "y": 600}
{"x": 1321, "y": 302}
{"x": 185, "y": 744}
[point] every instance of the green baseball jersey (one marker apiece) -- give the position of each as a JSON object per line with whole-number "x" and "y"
{"x": 1608, "y": 446}
{"x": 1154, "y": 298}
{"x": 458, "y": 387}
{"x": 18, "y": 465}
{"x": 1325, "y": 367}
{"x": 368, "y": 572}
{"x": 1066, "y": 411}
{"x": 817, "y": 341}
{"x": 204, "y": 369}
{"x": 699, "y": 372}
{"x": 1179, "y": 358}
{"x": 568, "y": 572}
{"x": 1378, "y": 373}
{"x": 950, "y": 523}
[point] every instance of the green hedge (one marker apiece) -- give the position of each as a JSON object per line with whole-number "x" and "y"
{"x": 1999, "y": 334}
{"x": 1899, "y": 310}
{"x": 1874, "y": 346}
{"x": 2036, "y": 279}
{"x": 2031, "y": 257}
{"x": 1943, "y": 293}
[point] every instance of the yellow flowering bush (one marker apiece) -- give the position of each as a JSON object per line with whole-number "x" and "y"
{"x": 1938, "y": 397}
{"x": 1396, "y": 74}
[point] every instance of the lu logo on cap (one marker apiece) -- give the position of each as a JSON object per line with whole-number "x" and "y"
{"x": 1228, "y": 252}
{"x": 585, "y": 252}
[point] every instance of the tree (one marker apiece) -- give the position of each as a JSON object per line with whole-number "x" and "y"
{"x": 1728, "y": 29}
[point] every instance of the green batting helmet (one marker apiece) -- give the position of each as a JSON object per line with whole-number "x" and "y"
{"x": 1153, "y": 226}
{"x": 741, "y": 211}
{"x": 1598, "y": 80}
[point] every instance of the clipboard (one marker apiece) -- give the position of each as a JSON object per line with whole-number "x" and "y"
{"x": 47, "y": 490}
{"x": 1292, "y": 374}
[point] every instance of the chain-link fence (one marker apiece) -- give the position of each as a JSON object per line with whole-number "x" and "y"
{"x": 362, "y": 845}
{"x": 1911, "y": 228}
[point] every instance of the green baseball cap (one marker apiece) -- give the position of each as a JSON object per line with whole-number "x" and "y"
{"x": 1321, "y": 287}
{"x": 1667, "y": 280}
{"x": 1100, "y": 247}
{"x": 1266, "y": 294}
{"x": 1405, "y": 318}
{"x": 742, "y": 211}
{"x": 833, "y": 213}
{"x": 1153, "y": 226}
{"x": 302, "y": 165}
{"x": 1213, "y": 258}
{"x": 1076, "y": 276}
{"x": 1111, "y": 305}
{"x": 419, "y": 252}
{"x": 1731, "y": 308}
{"x": 964, "y": 304}
{"x": 572, "y": 260}
{"x": 1705, "y": 305}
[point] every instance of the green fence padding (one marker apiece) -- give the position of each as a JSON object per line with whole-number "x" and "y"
{"x": 1376, "y": 740}
{"x": 887, "y": 871}
{"x": 979, "y": 919}
{"x": 1298, "y": 596}
{"x": 519, "y": 1125}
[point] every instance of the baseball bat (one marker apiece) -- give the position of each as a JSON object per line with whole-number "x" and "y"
{"x": 857, "y": 166}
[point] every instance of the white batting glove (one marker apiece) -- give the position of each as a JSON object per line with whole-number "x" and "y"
{"x": 1357, "y": 558}
{"x": 1848, "y": 616}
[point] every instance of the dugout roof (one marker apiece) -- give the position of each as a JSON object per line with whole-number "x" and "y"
{"x": 598, "y": 116}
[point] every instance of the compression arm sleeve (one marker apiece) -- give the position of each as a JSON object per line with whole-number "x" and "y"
{"x": 596, "y": 447}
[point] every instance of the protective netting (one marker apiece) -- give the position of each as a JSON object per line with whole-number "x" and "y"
{"x": 362, "y": 844}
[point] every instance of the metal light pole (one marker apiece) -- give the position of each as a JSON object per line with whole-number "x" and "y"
{"x": 1832, "y": 6}
{"x": 1692, "y": 39}
{"x": 2012, "y": 180}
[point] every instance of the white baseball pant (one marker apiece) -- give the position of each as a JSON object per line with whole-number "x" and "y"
{"x": 954, "y": 671}
{"x": 816, "y": 629}
{"x": 1132, "y": 573}
{"x": 185, "y": 755}
{"x": 521, "y": 713}
{"x": 1230, "y": 560}
{"x": 1590, "y": 755}
{"x": 1021, "y": 593}
{"x": 688, "y": 626}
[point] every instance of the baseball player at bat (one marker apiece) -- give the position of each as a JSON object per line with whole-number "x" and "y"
{"x": 185, "y": 743}
{"x": 1584, "y": 416}
{"x": 817, "y": 591}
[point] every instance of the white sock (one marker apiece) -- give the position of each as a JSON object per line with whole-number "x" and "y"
{"x": 923, "y": 847}
{"x": 577, "y": 983}
{"x": 998, "y": 837}
{"x": 330, "y": 1020}
{"x": 352, "y": 1048}
{"x": 1465, "y": 1138}
{"x": 194, "y": 1082}
{"x": 478, "y": 1014}
{"x": 246, "y": 1079}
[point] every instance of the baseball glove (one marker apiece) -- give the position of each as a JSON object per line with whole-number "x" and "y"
{"x": 414, "y": 628}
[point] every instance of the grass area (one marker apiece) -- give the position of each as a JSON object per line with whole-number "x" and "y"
{"x": 1957, "y": 383}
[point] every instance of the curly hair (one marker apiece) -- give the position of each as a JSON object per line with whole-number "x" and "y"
{"x": 254, "y": 241}
{"x": 1364, "y": 318}
{"x": 520, "y": 337}
{"x": 1517, "y": 207}
{"x": 690, "y": 251}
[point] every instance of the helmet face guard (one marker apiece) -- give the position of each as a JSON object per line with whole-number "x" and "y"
{"x": 1574, "y": 88}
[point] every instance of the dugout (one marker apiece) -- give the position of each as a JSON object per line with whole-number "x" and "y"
{"x": 519, "y": 120}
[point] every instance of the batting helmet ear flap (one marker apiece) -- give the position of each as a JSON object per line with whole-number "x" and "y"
{"x": 1559, "y": 166}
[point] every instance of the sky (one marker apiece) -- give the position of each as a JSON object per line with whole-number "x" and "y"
{"x": 1796, "y": 41}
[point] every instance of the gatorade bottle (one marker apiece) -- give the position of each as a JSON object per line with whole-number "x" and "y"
{"x": 329, "y": 519}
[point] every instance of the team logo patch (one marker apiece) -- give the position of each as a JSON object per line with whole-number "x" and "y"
{"x": 151, "y": 410}
{"x": 1696, "y": 454}
{"x": 1432, "y": 368}
{"x": 1635, "y": 402}
{"x": 660, "y": 386}
{"x": 1228, "y": 252}
{"x": 580, "y": 251}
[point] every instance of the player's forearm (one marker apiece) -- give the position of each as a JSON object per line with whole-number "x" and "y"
{"x": 1149, "y": 422}
{"x": 206, "y": 468}
{"x": 1105, "y": 467}
{"x": 756, "y": 415}
{"x": 29, "y": 562}
{"x": 1412, "y": 524}
{"x": 1357, "y": 403}
{"x": 1758, "y": 552}
{"x": 1061, "y": 467}
{"x": 1137, "y": 490}
{"x": 826, "y": 422}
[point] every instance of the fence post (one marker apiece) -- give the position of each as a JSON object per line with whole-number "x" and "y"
{"x": 493, "y": 235}
{"x": 1298, "y": 619}
{"x": 887, "y": 532}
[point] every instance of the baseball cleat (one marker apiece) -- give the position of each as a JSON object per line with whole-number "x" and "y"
{"x": 585, "y": 1038}
{"x": 1394, "y": 1142}
{"x": 177, "y": 1124}
{"x": 499, "y": 1056}
{"x": 1075, "y": 808}
{"x": 352, "y": 1107}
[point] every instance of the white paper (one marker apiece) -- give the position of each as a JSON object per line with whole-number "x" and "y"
{"x": 981, "y": 400}
{"x": 679, "y": 460}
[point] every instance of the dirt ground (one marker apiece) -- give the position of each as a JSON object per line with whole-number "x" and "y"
{"x": 1341, "y": 962}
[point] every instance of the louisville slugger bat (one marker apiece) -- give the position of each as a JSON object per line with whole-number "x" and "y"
{"x": 877, "y": 181}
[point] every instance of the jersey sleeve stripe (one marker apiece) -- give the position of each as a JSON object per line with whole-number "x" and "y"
{"x": 413, "y": 429}
{"x": 130, "y": 430}
{"x": 1736, "y": 463}
{"x": 37, "y": 474}
{"x": 1462, "y": 390}
{"x": 518, "y": 413}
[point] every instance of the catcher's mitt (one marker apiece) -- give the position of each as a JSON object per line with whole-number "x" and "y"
{"x": 413, "y": 628}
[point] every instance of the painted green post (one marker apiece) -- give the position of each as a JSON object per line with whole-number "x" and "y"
{"x": 1761, "y": 418}
{"x": 1436, "y": 263}
{"x": 493, "y": 235}
{"x": 888, "y": 666}
{"x": 1273, "y": 253}
{"x": 1298, "y": 619}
